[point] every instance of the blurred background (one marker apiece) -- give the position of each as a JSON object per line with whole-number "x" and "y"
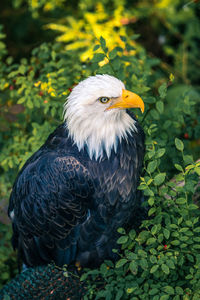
{"x": 47, "y": 46}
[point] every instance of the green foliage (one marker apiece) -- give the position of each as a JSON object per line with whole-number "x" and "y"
{"x": 162, "y": 260}
{"x": 8, "y": 264}
{"x": 32, "y": 94}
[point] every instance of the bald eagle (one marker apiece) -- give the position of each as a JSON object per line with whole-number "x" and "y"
{"x": 72, "y": 194}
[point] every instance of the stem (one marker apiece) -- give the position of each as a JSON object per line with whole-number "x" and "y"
{"x": 145, "y": 115}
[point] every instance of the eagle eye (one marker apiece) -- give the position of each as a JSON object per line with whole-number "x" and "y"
{"x": 104, "y": 100}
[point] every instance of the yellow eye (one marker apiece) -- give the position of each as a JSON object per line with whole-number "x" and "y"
{"x": 104, "y": 100}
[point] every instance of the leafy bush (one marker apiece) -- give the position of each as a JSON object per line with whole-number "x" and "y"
{"x": 162, "y": 260}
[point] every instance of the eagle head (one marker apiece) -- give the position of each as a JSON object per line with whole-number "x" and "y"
{"x": 96, "y": 117}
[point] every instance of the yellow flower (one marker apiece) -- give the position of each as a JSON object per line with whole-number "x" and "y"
{"x": 48, "y": 7}
{"x": 5, "y": 85}
{"x": 44, "y": 86}
{"x": 50, "y": 90}
{"x": 53, "y": 94}
{"x": 171, "y": 77}
{"x": 80, "y": 34}
{"x": 34, "y": 3}
{"x": 37, "y": 83}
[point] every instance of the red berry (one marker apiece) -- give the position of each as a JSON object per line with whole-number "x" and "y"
{"x": 40, "y": 93}
{"x": 186, "y": 135}
{"x": 11, "y": 88}
{"x": 70, "y": 89}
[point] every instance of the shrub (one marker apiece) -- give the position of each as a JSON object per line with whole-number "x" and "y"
{"x": 32, "y": 92}
{"x": 163, "y": 260}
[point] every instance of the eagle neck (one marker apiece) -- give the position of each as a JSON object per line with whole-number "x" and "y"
{"x": 103, "y": 135}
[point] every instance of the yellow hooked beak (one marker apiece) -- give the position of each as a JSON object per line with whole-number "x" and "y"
{"x": 128, "y": 100}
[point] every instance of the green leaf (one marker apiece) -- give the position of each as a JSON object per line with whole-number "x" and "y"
{"x": 6, "y": 297}
{"x": 130, "y": 290}
{"x": 144, "y": 263}
{"x": 164, "y": 297}
{"x": 122, "y": 240}
{"x": 96, "y": 47}
{"x": 193, "y": 207}
{"x": 84, "y": 277}
{"x": 189, "y": 276}
{"x": 153, "y": 259}
{"x": 135, "y": 36}
{"x": 151, "y": 201}
{"x": 115, "y": 250}
{"x": 142, "y": 187}
{"x": 21, "y": 100}
{"x": 121, "y": 230}
{"x": 148, "y": 192}
{"x": 159, "y": 179}
{"x": 197, "y": 229}
{"x": 154, "y": 269}
{"x": 179, "y": 144}
{"x": 119, "y": 295}
{"x": 155, "y": 114}
{"x": 154, "y": 229}
{"x": 180, "y": 220}
{"x": 170, "y": 264}
{"x": 179, "y": 290}
{"x": 197, "y": 170}
{"x": 151, "y": 241}
{"x": 22, "y": 69}
{"x": 132, "y": 234}
{"x": 166, "y": 233}
{"x": 151, "y": 211}
{"x": 160, "y": 238}
{"x": 160, "y": 107}
{"x": 123, "y": 38}
{"x": 163, "y": 90}
{"x": 188, "y": 159}
{"x": 178, "y": 167}
{"x": 113, "y": 54}
{"x": 175, "y": 242}
{"x": 116, "y": 64}
{"x": 121, "y": 262}
{"x": 103, "y": 43}
{"x": 181, "y": 201}
{"x": 150, "y": 100}
{"x": 174, "y": 226}
{"x": 143, "y": 236}
{"x": 98, "y": 57}
{"x": 160, "y": 152}
{"x": 103, "y": 269}
{"x": 133, "y": 267}
{"x": 165, "y": 268}
{"x": 152, "y": 166}
{"x": 169, "y": 290}
{"x": 153, "y": 291}
{"x": 29, "y": 103}
{"x": 131, "y": 255}
{"x": 142, "y": 253}
{"x": 190, "y": 258}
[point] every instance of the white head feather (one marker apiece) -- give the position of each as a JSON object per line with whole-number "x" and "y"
{"x": 89, "y": 123}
